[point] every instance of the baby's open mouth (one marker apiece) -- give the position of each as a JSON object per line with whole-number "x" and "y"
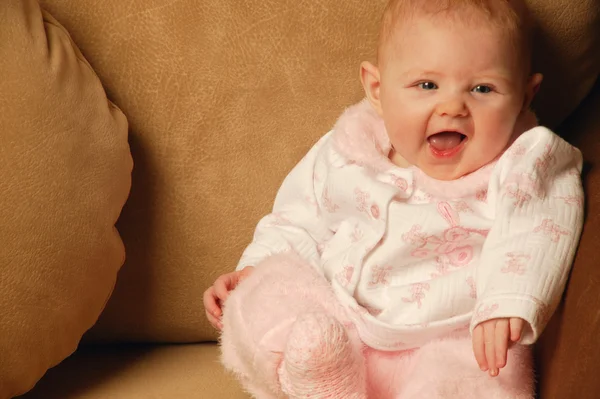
{"x": 446, "y": 140}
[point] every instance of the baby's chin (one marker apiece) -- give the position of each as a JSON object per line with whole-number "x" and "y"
{"x": 448, "y": 172}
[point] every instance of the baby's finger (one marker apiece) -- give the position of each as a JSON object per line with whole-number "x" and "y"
{"x": 222, "y": 287}
{"x": 216, "y": 323}
{"x": 245, "y": 273}
{"x": 489, "y": 337}
{"x": 501, "y": 344}
{"x": 210, "y": 302}
{"x": 516, "y": 327}
{"x": 478, "y": 348}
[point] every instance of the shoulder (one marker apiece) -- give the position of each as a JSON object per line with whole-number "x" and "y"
{"x": 540, "y": 147}
{"x": 539, "y": 138}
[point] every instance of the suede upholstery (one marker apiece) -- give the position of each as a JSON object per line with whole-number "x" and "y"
{"x": 223, "y": 98}
{"x": 568, "y": 349}
{"x": 64, "y": 176}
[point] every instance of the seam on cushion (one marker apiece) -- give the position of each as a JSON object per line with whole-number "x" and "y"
{"x": 77, "y": 52}
{"x": 115, "y": 280}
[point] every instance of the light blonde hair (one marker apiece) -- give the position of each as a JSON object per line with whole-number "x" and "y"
{"x": 510, "y": 16}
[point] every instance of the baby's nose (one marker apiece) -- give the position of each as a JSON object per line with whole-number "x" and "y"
{"x": 453, "y": 107}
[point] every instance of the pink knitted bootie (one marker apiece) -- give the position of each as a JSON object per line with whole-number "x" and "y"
{"x": 320, "y": 361}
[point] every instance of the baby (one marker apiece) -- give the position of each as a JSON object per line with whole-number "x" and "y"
{"x": 422, "y": 244}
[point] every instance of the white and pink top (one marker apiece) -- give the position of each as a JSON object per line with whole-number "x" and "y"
{"x": 414, "y": 258}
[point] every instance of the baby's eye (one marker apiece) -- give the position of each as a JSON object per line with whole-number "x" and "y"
{"x": 428, "y": 86}
{"x": 482, "y": 89}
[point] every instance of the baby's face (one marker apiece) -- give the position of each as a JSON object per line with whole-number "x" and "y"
{"x": 449, "y": 95}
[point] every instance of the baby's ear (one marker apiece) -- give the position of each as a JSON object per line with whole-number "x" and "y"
{"x": 533, "y": 85}
{"x": 371, "y": 81}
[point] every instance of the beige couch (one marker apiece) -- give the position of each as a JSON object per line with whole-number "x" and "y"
{"x": 222, "y": 97}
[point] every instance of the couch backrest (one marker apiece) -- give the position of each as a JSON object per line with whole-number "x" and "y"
{"x": 223, "y": 98}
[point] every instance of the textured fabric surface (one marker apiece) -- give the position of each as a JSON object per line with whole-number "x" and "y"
{"x": 568, "y": 351}
{"x": 64, "y": 177}
{"x": 140, "y": 372}
{"x": 252, "y": 344}
{"x": 223, "y": 98}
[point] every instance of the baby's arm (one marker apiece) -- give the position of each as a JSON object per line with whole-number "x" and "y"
{"x": 296, "y": 223}
{"x": 529, "y": 250}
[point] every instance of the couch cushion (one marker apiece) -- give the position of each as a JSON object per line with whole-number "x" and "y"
{"x": 64, "y": 176}
{"x": 224, "y": 97}
{"x": 142, "y": 372}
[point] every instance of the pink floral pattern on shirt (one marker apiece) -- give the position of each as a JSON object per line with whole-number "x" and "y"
{"x": 546, "y": 161}
{"x": 462, "y": 206}
{"x": 417, "y": 294}
{"x": 421, "y": 197}
{"x": 357, "y": 235}
{"x": 515, "y": 263}
{"x": 572, "y": 200}
{"x": 521, "y": 197}
{"x": 344, "y": 277}
{"x": 442, "y": 268}
{"x": 552, "y": 230}
{"x": 363, "y": 205}
{"x": 400, "y": 182}
{"x": 453, "y": 247}
{"x": 328, "y": 202}
{"x": 473, "y": 287}
{"x": 484, "y": 312}
{"x": 517, "y": 151}
{"x": 380, "y": 276}
{"x": 362, "y": 199}
{"x": 481, "y": 195}
{"x": 522, "y": 188}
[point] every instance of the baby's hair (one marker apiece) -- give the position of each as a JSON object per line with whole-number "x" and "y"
{"x": 511, "y": 16}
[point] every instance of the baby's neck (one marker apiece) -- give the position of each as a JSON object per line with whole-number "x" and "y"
{"x": 397, "y": 159}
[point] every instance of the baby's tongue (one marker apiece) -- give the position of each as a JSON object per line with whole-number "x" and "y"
{"x": 445, "y": 140}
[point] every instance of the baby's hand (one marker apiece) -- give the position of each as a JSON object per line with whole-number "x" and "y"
{"x": 490, "y": 342}
{"x": 215, "y": 295}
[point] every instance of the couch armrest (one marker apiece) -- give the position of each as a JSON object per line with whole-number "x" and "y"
{"x": 568, "y": 352}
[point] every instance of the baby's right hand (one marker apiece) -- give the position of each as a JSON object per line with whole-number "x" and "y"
{"x": 215, "y": 296}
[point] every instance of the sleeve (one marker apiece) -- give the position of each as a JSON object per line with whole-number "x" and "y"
{"x": 296, "y": 222}
{"x": 528, "y": 252}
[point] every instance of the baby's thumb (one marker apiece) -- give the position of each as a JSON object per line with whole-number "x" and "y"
{"x": 245, "y": 272}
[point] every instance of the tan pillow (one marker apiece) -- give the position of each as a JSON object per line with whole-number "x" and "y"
{"x": 224, "y": 97}
{"x": 64, "y": 176}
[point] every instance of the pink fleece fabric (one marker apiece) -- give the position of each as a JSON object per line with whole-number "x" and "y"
{"x": 261, "y": 312}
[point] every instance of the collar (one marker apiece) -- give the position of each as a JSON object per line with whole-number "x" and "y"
{"x": 360, "y": 136}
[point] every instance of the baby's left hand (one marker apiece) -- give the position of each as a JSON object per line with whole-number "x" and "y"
{"x": 491, "y": 340}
